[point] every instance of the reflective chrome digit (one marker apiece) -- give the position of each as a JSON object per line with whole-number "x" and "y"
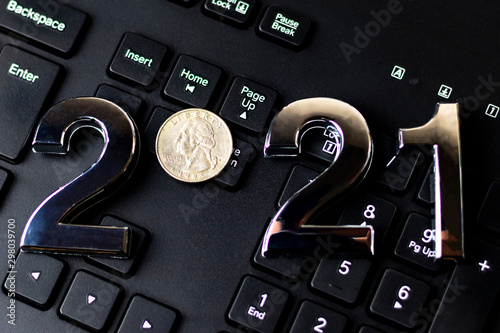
{"x": 443, "y": 132}
{"x": 289, "y": 231}
{"x": 47, "y": 229}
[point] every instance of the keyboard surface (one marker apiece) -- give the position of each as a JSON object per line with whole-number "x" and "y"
{"x": 196, "y": 263}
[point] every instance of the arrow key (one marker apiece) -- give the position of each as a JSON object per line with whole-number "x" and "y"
{"x": 145, "y": 315}
{"x": 248, "y": 104}
{"x": 33, "y": 278}
{"x": 399, "y": 297}
{"x": 90, "y": 301}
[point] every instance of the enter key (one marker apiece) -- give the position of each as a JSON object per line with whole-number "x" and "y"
{"x": 25, "y": 82}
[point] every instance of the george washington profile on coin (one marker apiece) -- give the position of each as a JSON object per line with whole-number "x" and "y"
{"x": 194, "y": 145}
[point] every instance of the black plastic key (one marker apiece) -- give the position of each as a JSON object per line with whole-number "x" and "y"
{"x": 138, "y": 59}
{"x": 417, "y": 242}
{"x": 313, "y": 318}
{"x": 186, "y": 3}
{"x": 236, "y": 12}
{"x": 471, "y": 292}
{"x": 145, "y": 315}
{"x": 399, "y": 297}
{"x": 157, "y": 119}
{"x": 124, "y": 267}
{"x": 4, "y": 181}
{"x": 426, "y": 193}
{"x": 490, "y": 210}
{"x": 90, "y": 301}
{"x": 230, "y": 176}
{"x": 35, "y": 278}
{"x": 368, "y": 329}
{"x": 320, "y": 143}
{"x": 299, "y": 177}
{"x": 49, "y": 23}
{"x": 193, "y": 81}
{"x": 248, "y": 104}
{"x": 258, "y": 305}
{"x": 25, "y": 83}
{"x": 285, "y": 27}
{"x": 367, "y": 209}
{"x": 398, "y": 173}
{"x": 341, "y": 278}
{"x": 291, "y": 268}
{"x": 128, "y": 102}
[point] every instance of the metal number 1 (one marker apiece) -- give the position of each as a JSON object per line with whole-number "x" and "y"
{"x": 443, "y": 132}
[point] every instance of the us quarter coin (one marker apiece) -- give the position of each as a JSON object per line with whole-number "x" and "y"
{"x": 194, "y": 145}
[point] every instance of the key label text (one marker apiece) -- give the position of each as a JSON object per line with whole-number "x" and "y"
{"x": 138, "y": 58}
{"x": 285, "y": 25}
{"x": 24, "y": 74}
{"x": 36, "y": 17}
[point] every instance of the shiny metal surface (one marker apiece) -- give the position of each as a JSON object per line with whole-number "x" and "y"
{"x": 290, "y": 231}
{"x": 48, "y": 230}
{"x": 194, "y": 145}
{"x": 443, "y": 132}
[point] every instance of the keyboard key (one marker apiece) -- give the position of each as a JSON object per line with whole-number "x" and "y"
{"x": 124, "y": 267}
{"x": 490, "y": 211}
{"x": 341, "y": 278}
{"x": 90, "y": 301}
{"x": 299, "y": 177}
{"x": 138, "y": 60}
{"x": 193, "y": 81}
{"x": 130, "y": 103}
{"x": 35, "y": 279}
{"x": 471, "y": 292}
{"x": 145, "y": 315}
{"x": 313, "y": 318}
{"x": 285, "y": 27}
{"x": 417, "y": 242}
{"x": 399, "y": 297}
{"x": 321, "y": 143}
{"x": 25, "y": 82}
{"x": 248, "y": 104}
{"x": 157, "y": 119}
{"x": 51, "y": 24}
{"x": 367, "y": 209}
{"x": 291, "y": 268}
{"x": 231, "y": 11}
{"x": 426, "y": 193}
{"x": 258, "y": 305}
{"x": 4, "y": 181}
{"x": 242, "y": 153}
{"x": 367, "y": 329}
{"x": 398, "y": 174}
{"x": 186, "y": 3}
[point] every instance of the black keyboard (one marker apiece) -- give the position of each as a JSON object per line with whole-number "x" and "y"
{"x": 195, "y": 262}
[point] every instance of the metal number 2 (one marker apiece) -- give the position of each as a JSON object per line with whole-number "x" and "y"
{"x": 443, "y": 132}
{"x": 47, "y": 229}
{"x": 289, "y": 231}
